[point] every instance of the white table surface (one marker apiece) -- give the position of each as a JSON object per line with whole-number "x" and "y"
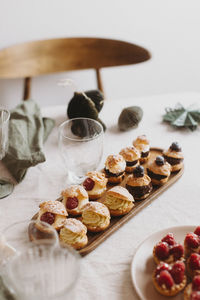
{"x": 105, "y": 273}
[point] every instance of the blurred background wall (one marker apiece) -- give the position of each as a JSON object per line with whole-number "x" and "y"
{"x": 168, "y": 28}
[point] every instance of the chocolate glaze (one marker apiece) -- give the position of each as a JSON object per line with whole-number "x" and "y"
{"x": 144, "y": 154}
{"x": 173, "y": 161}
{"x": 109, "y": 174}
{"x": 139, "y": 191}
{"x": 155, "y": 176}
{"x": 131, "y": 163}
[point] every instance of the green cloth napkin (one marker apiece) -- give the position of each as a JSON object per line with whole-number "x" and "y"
{"x": 27, "y": 133}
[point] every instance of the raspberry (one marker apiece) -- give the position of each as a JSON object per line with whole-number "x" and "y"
{"x": 178, "y": 271}
{"x": 166, "y": 279}
{"x": 72, "y": 202}
{"x": 195, "y": 295}
{"x": 177, "y": 251}
{"x": 197, "y": 230}
{"x": 162, "y": 250}
{"x": 194, "y": 261}
{"x": 196, "y": 283}
{"x": 192, "y": 240}
{"x": 48, "y": 218}
{"x": 88, "y": 184}
{"x": 161, "y": 267}
{"x": 169, "y": 239}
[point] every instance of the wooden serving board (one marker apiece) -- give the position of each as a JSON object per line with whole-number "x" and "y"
{"x": 95, "y": 239}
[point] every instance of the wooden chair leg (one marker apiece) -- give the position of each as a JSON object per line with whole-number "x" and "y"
{"x": 27, "y": 88}
{"x": 99, "y": 81}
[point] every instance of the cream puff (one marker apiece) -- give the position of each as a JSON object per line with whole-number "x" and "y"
{"x": 169, "y": 280}
{"x": 96, "y": 216}
{"x": 115, "y": 168}
{"x": 159, "y": 170}
{"x": 74, "y": 199}
{"x": 168, "y": 250}
{"x": 53, "y": 213}
{"x": 95, "y": 184}
{"x": 142, "y": 144}
{"x": 73, "y": 233}
{"x": 131, "y": 156}
{"x": 192, "y": 290}
{"x": 119, "y": 201}
{"x": 139, "y": 184}
{"x": 174, "y": 157}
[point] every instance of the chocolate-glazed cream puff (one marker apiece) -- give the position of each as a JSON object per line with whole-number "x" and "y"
{"x": 95, "y": 184}
{"x": 159, "y": 170}
{"x": 74, "y": 199}
{"x": 131, "y": 156}
{"x": 174, "y": 157}
{"x": 142, "y": 144}
{"x": 139, "y": 184}
{"x": 115, "y": 168}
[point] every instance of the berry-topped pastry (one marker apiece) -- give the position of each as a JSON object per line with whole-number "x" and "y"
{"x": 74, "y": 199}
{"x": 95, "y": 184}
{"x": 168, "y": 250}
{"x": 115, "y": 168}
{"x": 169, "y": 280}
{"x": 192, "y": 290}
{"x": 53, "y": 213}
{"x": 192, "y": 242}
{"x": 174, "y": 156}
{"x": 142, "y": 144}
{"x": 159, "y": 170}
{"x": 131, "y": 156}
{"x": 139, "y": 184}
{"x": 119, "y": 201}
{"x": 73, "y": 233}
{"x": 193, "y": 264}
{"x": 96, "y": 216}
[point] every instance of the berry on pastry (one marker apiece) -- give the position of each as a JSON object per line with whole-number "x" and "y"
{"x": 193, "y": 265}
{"x": 96, "y": 216}
{"x": 95, "y": 184}
{"x": 192, "y": 242}
{"x": 168, "y": 250}
{"x": 74, "y": 199}
{"x": 115, "y": 168}
{"x": 174, "y": 156}
{"x": 53, "y": 213}
{"x": 131, "y": 156}
{"x": 142, "y": 144}
{"x": 73, "y": 233}
{"x": 169, "y": 280}
{"x": 159, "y": 170}
{"x": 119, "y": 201}
{"x": 192, "y": 290}
{"x": 139, "y": 184}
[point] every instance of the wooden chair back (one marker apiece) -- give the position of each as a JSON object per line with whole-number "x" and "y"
{"x": 66, "y": 54}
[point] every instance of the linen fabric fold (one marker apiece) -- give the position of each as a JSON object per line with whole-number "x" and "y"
{"x": 27, "y": 133}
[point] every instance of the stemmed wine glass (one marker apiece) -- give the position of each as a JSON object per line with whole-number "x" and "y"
{"x": 81, "y": 146}
{"x": 6, "y": 186}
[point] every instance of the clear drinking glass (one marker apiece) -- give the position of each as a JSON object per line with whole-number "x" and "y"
{"x": 81, "y": 146}
{"x": 40, "y": 269}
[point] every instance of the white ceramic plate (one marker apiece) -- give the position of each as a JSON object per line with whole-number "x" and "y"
{"x": 143, "y": 265}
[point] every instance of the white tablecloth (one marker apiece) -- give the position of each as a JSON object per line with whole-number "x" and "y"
{"x": 105, "y": 273}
